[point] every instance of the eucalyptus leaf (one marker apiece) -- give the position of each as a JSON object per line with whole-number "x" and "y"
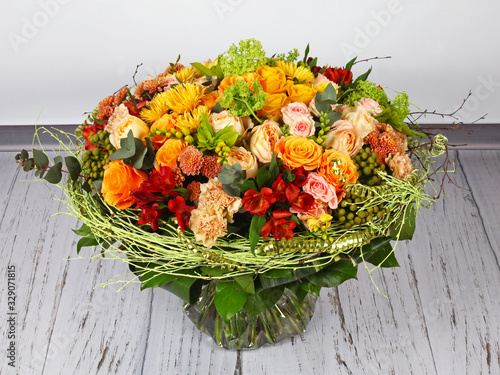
{"x": 73, "y": 166}
{"x": 54, "y": 174}
{"x": 41, "y": 160}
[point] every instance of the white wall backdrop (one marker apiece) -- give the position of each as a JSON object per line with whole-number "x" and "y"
{"x": 59, "y": 58}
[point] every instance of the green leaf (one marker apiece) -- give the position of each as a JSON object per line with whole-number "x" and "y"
{"x": 127, "y": 148}
{"x": 306, "y": 53}
{"x": 329, "y": 95}
{"x": 307, "y": 286}
{"x": 213, "y": 271}
{"x": 274, "y": 168}
{"x": 54, "y": 174}
{"x": 153, "y": 279}
{"x": 256, "y": 303}
{"x": 335, "y": 274}
{"x": 264, "y": 178}
{"x": 74, "y": 167}
{"x": 203, "y": 69}
{"x": 83, "y": 231}
{"x": 334, "y": 116}
{"x": 28, "y": 165}
{"x": 379, "y": 253}
{"x": 249, "y": 184}
{"x": 270, "y": 282}
{"x": 24, "y": 154}
{"x": 58, "y": 159}
{"x": 141, "y": 151}
{"x": 41, "y": 160}
{"x": 254, "y": 233}
{"x": 405, "y": 225}
{"x": 229, "y": 298}
{"x": 363, "y": 76}
{"x": 86, "y": 241}
{"x": 349, "y": 65}
{"x": 217, "y": 108}
{"x": 277, "y": 273}
{"x": 246, "y": 283}
{"x": 187, "y": 288}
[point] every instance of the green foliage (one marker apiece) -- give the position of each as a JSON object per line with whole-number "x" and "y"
{"x": 132, "y": 151}
{"x": 255, "y": 231}
{"x": 229, "y": 298}
{"x": 231, "y": 176}
{"x": 187, "y": 288}
{"x": 256, "y": 303}
{"x": 379, "y": 252}
{"x": 246, "y": 283}
{"x": 241, "y": 101}
{"x": 245, "y": 58}
{"x": 208, "y": 140}
{"x": 291, "y": 56}
{"x": 323, "y": 101}
{"x": 405, "y": 225}
{"x": 335, "y": 274}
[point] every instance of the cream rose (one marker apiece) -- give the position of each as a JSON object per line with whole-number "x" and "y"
{"x": 371, "y": 106}
{"x": 248, "y": 162}
{"x": 303, "y": 126}
{"x": 263, "y": 140}
{"x": 294, "y": 110}
{"x": 361, "y": 119}
{"x": 320, "y": 189}
{"x": 219, "y": 121}
{"x": 344, "y": 137}
{"x": 139, "y": 129}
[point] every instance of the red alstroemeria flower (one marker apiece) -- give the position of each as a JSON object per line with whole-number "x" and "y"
{"x": 338, "y": 75}
{"x": 258, "y": 202}
{"x": 150, "y": 214}
{"x": 156, "y": 188}
{"x": 303, "y": 202}
{"x": 181, "y": 210}
{"x": 135, "y": 110}
{"x": 88, "y": 131}
{"x": 279, "y": 226}
{"x": 315, "y": 69}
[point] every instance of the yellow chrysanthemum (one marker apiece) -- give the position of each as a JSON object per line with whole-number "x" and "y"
{"x": 156, "y": 109}
{"x": 191, "y": 120}
{"x": 184, "y": 98}
{"x": 187, "y": 74}
{"x": 292, "y": 71}
{"x": 180, "y": 99}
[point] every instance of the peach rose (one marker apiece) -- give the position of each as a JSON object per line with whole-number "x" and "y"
{"x": 320, "y": 83}
{"x": 119, "y": 181}
{"x": 219, "y": 121}
{"x": 336, "y": 166}
{"x": 169, "y": 152}
{"x": 263, "y": 139}
{"x": 361, "y": 119}
{"x": 298, "y": 151}
{"x": 272, "y": 79}
{"x": 138, "y": 127}
{"x": 344, "y": 137}
{"x": 371, "y": 106}
{"x": 301, "y": 93}
{"x": 303, "y": 126}
{"x": 248, "y": 162}
{"x": 293, "y": 110}
{"x": 320, "y": 189}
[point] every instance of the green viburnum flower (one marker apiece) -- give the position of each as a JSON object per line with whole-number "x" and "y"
{"x": 247, "y": 58}
{"x": 241, "y": 101}
{"x": 401, "y": 105}
{"x": 367, "y": 89}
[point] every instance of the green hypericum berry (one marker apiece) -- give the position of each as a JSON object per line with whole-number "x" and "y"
{"x": 350, "y": 216}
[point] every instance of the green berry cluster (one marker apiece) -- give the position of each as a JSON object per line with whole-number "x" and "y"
{"x": 183, "y": 134}
{"x": 95, "y": 160}
{"x": 223, "y": 151}
{"x": 351, "y": 211}
{"x": 323, "y": 129}
{"x": 368, "y": 164}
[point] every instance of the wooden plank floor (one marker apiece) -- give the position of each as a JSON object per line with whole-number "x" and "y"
{"x": 442, "y": 315}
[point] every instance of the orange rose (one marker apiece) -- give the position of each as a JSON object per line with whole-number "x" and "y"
{"x": 272, "y": 79}
{"x": 298, "y": 151}
{"x": 301, "y": 93}
{"x": 229, "y": 81}
{"x": 344, "y": 165}
{"x": 119, "y": 181}
{"x": 165, "y": 122}
{"x": 210, "y": 100}
{"x": 168, "y": 153}
{"x": 274, "y": 103}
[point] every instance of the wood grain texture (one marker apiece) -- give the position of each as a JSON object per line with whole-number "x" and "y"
{"x": 441, "y": 316}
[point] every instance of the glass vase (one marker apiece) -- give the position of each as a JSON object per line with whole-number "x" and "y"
{"x": 288, "y": 317}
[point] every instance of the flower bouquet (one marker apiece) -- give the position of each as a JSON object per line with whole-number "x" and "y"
{"x": 246, "y": 184}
